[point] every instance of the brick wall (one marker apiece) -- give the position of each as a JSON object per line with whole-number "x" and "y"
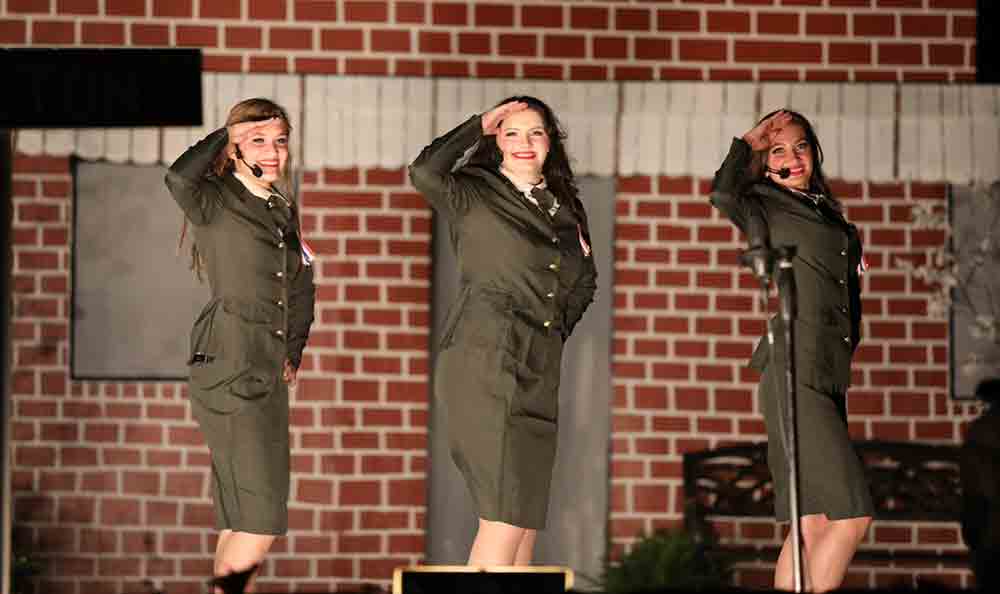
{"x": 864, "y": 40}
{"x": 110, "y": 479}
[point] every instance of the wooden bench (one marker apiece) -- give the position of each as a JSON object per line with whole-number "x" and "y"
{"x": 910, "y": 482}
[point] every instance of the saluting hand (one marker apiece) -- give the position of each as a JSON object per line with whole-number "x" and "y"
{"x": 762, "y": 135}
{"x": 239, "y": 132}
{"x": 492, "y": 118}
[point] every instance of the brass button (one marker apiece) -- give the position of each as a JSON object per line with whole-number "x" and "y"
{"x": 843, "y": 309}
{"x": 547, "y": 323}
{"x": 280, "y": 302}
{"x": 279, "y": 274}
{"x": 281, "y": 244}
{"x": 550, "y": 294}
{"x": 279, "y": 332}
{"x": 555, "y": 240}
{"x": 553, "y": 266}
{"x": 842, "y": 281}
{"x": 843, "y": 252}
{"x": 847, "y": 339}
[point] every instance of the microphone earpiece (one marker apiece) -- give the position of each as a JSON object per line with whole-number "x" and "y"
{"x": 255, "y": 168}
{"x": 783, "y": 173}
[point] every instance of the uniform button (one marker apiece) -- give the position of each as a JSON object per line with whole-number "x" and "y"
{"x": 280, "y": 302}
{"x": 847, "y": 339}
{"x": 843, "y": 252}
{"x": 843, "y": 309}
{"x": 279, "y": 332}
{"x": 555, "y": 240}
{"x": 842, "y": 281}
{"x": 281, "y": 244}
{"x": 553, "y": 266}
{"x": 279, "y": 274}
{"x": 550, "y": 295}
{"x": 547, "y": 323}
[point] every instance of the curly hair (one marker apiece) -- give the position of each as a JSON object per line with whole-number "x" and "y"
{"x": 556, "y": 169}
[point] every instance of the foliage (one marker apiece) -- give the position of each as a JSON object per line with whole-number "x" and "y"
{"x": 666, "y": 559}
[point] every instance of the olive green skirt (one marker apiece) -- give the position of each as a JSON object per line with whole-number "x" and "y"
{"x": 831, "y": 478}
{"x": 249, "y": 445}
{"x": 501, "y": 396}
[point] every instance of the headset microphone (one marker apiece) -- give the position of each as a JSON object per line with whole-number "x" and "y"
{"x": 783, "y": 173}
{"x": 257, "y": 171}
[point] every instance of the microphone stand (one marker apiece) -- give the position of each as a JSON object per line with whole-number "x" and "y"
{"x": 762, "y": 261}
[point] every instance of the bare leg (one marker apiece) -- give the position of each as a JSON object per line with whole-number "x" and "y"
{"x": 829, "y": 547}
{"x": 496, "y": 543}
{"x": 526, "y": 548}
{"x": 239, "y": 551}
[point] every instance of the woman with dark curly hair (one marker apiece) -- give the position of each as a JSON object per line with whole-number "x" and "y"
{"x": 503, "y": 182}
{"x": 773, "y": 175}
{"x": 246, "y": 346}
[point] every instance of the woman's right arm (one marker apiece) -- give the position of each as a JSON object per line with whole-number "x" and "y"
{"x": 186, "y": 177}
{"x": 431, "y": 173}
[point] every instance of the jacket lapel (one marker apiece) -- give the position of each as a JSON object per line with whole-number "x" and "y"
{"x": 509, "y": 199}
{"x": 249, "y": 206}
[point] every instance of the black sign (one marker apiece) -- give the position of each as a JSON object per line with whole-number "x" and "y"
{"x": 83, "y": 88}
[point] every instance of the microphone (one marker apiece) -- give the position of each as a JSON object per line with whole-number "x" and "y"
{"x": 783, "y": 173}
{"x": 255, "y": 168}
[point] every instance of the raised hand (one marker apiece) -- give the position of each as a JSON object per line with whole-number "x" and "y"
{"x": 492, "y": 118}
{"x": 762, "y": 135}
{"x": 241, "y": 131}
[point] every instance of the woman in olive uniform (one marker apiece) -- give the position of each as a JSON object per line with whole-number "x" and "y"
{"x": 773, "y": 173}
{"x": 527, "y": 274}
{"x": 247, "y": 343}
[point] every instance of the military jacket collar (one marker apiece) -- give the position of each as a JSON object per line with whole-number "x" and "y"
{"x": 515, "y": 204}
{"x": 254, "y": 207}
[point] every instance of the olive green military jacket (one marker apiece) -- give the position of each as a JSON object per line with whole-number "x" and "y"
{"x": 826, "y": 266}
{"x": 508, "y": 250}
{"x": 262, "y": 292}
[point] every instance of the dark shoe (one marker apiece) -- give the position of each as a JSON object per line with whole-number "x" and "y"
{"x": 234, "y": 583}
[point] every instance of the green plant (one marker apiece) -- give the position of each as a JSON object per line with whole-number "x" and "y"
{"x": 666, "y": 559}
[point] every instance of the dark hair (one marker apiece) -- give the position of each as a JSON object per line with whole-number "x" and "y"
{"x": 556, "y": 169}
{"x": 988, "y": 391}
{"x": 817, "y": 181}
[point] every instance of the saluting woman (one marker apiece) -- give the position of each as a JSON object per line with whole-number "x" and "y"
{"x": 774, "y": 174}
{"x": 247, "y": 344}
{"x": 503, "y": 182}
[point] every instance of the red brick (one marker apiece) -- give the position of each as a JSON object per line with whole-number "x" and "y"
{"x": 271, "y": 10}
{"x": 173, "y": 8}
{"x": 450, "y": 13}
{"x": 410, "y": 68}
{"x": 493, "y": 15}
{"x": 589, "y": 17}
{"x": 243, "y": 37}
{"x": 435, "y": 42}
{"x": 149, "y": 34}
{"x": 900, "y": 54}
{"x": 565, "y": 46}
{"x": 197, "y": 36}
{"x": 734, "y": 21}
{"x": 102, "y": 33}
{"x": 610, "y": 47}
{"x": 874, "y": 25}
{"x": 776, "y": 51}
{"x": 29, "y": 6}
{"x": 542, "y": 16}
{"x": 946, "y": 55}
{"x": 410, "y": 12}
{"x": 963, "y": 26}
{"x": 315, "y": 10}
{"x": 366, "y": 11}
{"x": 390, "y": 41}
{"x": 632, "y": 19}
{"x": 268, "y": 64}
{"x": 826, "y": 24}
{"x": 777, "y": 23}
{"x": 288, "y": 38}
{"x": 219, "y": 9}
{"x": 678, "y": 20}
{"x": 924, "y": 25}
{"x": 53, "y": 32}
{"x": 702, "y": 50}
{"x": 652, "y": 49}
{"x": 125, "y": 7}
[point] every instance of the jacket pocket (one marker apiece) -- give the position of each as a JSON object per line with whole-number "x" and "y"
{"x": 233, "y": 357}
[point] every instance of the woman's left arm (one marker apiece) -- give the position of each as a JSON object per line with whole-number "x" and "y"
{"x": 301, "y": 303}
{"x": 580, "y": 296}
